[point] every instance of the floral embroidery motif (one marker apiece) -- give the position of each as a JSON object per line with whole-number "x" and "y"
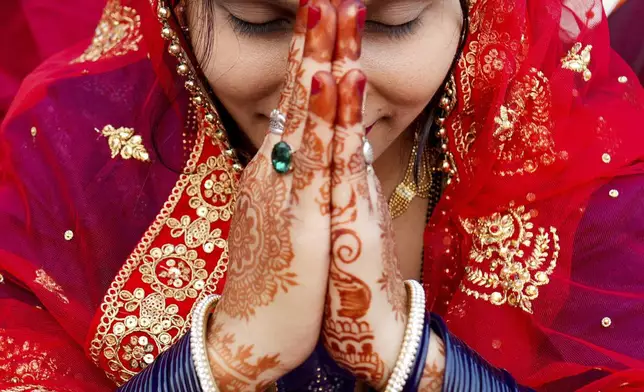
{"x": 578, "y": 60}
{"x": 523, "y": 136}
{"x": 118, "y": 32}
{"x": 509, "y": 258}
{"x": 26, "y": 362}
{"x": 122, "y": 141}
{"x": 50, "y": 285}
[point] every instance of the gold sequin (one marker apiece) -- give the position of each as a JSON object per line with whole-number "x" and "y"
{"x": 622, "y": 79}
{"x": 122, "y": 141}
{"x": 1, "y": 279}
{"x": 34, "y": 131}
{"x": 606, "y": 158}
{"x": 614, "y": 193}
{"x": 118, "y": 33}
{"x": 606, "y": 322}
{"x": 578, "y": 60}
{"x": 69, "y": 235}
{"x": 509, "y": 258}
{"x": 49, "y": 284}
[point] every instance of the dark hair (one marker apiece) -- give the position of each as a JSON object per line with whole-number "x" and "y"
{"x": 240, "y": 142}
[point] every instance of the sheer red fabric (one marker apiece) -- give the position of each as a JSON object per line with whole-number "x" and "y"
{"x": 533, "y": 255}
{"x": 31, "y": 31}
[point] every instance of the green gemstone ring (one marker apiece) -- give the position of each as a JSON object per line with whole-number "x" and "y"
{"x": 282, "y": 157}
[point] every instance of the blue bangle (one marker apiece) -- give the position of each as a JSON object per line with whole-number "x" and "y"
{"x": 172, "y": 371}
{"x": 465, "y": 370}
{"x": 413, "y": 382}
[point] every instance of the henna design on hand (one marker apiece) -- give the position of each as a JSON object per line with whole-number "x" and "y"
{"x": 433, "y": 373}
{"x": 260, "y": 242}
{"x": 234, "y": 370}
{"x": 391, "y": 280}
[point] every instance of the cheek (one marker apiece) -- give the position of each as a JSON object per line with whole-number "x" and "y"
{"x": 414, "y": 68}
{"x": 245, "y": 75}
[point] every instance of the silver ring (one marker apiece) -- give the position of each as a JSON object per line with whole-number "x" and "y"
{"x": 277, "y": 123}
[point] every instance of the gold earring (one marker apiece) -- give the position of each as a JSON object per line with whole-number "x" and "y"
{"x": 432, "y": 164}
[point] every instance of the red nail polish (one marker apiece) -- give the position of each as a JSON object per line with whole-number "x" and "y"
{"x": 314, "y": 16}
{"x": 361, "y": 18}
{"x": 316, "y": 85}
{"x": 361, "y": 85}
{"x": 303, "y": 3}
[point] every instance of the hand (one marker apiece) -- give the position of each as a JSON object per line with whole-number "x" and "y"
{"x": 268, "y": 320}
{"x": 366, "y": 302}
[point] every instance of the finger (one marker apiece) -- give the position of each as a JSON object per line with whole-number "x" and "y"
{"x": 352, "y": 15}
{"x": 295, "y": 55}
{"x": 311, "y": 173}
{"x": 349, "y": 168}
{"x": 317, "y": 56}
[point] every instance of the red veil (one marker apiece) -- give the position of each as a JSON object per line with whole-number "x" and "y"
{"x": 117, "y": 186}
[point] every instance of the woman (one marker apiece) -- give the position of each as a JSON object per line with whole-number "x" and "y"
{"x": 524, "y": 154}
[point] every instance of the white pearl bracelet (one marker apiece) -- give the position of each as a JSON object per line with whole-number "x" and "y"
{"x": 411, "y": 341}
{"x": 200, "y": 316}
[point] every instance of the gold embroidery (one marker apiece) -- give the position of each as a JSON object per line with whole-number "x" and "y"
{"x": 27, "y": 362}
{"x": 509, "y": 258}
{"x": 138, "y": 320}
{"x": 27, "y": 388}
{"x": 118, "y": 32}
{"x": 523, "y": 134}
{"x": 174, "y": 273}
{"x": 123, "y": 141}
{"x": 578, "y": 60}
{"x": 50, "y": 285}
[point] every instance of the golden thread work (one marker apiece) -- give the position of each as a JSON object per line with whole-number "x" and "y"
{"x": 509, "y": 258}
{"x": 122, "y": 141}
{"x": 118, "y": 32}
{"x": 578, "y": 60}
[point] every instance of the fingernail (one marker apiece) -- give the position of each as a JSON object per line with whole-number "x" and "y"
{"x": 361, "y": 85}
{"x": 303, "y": 3}
{"x": 314, "y": 16}
{"x": 361, "y": 18}
{"x": 316, "y": 85}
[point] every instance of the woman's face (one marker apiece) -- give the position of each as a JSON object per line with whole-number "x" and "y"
{"x": 408, "y": 47}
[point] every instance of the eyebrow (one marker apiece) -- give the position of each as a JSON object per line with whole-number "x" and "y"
{"x": 294, "y": 4}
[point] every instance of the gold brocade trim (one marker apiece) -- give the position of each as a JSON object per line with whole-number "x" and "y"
{"x": 50, "y": 285}
{"x": 171, "y": 272}
{"x": 122, "y": 141}
{"x": 578, "y": 60}
{"x": 27, "y": 388}
{"x": 118, "y": 32}
{"x": 139, "y": 323}
{"x": 509, "y": 258}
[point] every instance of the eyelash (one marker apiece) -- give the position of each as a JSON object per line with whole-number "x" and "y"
{"x": 248, "y": 29}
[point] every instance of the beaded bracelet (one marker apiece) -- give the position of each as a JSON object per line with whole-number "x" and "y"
{"x": 413, "y": 383}
{"x": 200, "y": 316}
{"x": 411, "y": 340}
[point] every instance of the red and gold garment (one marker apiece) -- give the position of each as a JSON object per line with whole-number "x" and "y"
{"x": 117, "y": 187}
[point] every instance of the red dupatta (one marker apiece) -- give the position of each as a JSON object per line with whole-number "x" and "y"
{"x": 543, "y": 124}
